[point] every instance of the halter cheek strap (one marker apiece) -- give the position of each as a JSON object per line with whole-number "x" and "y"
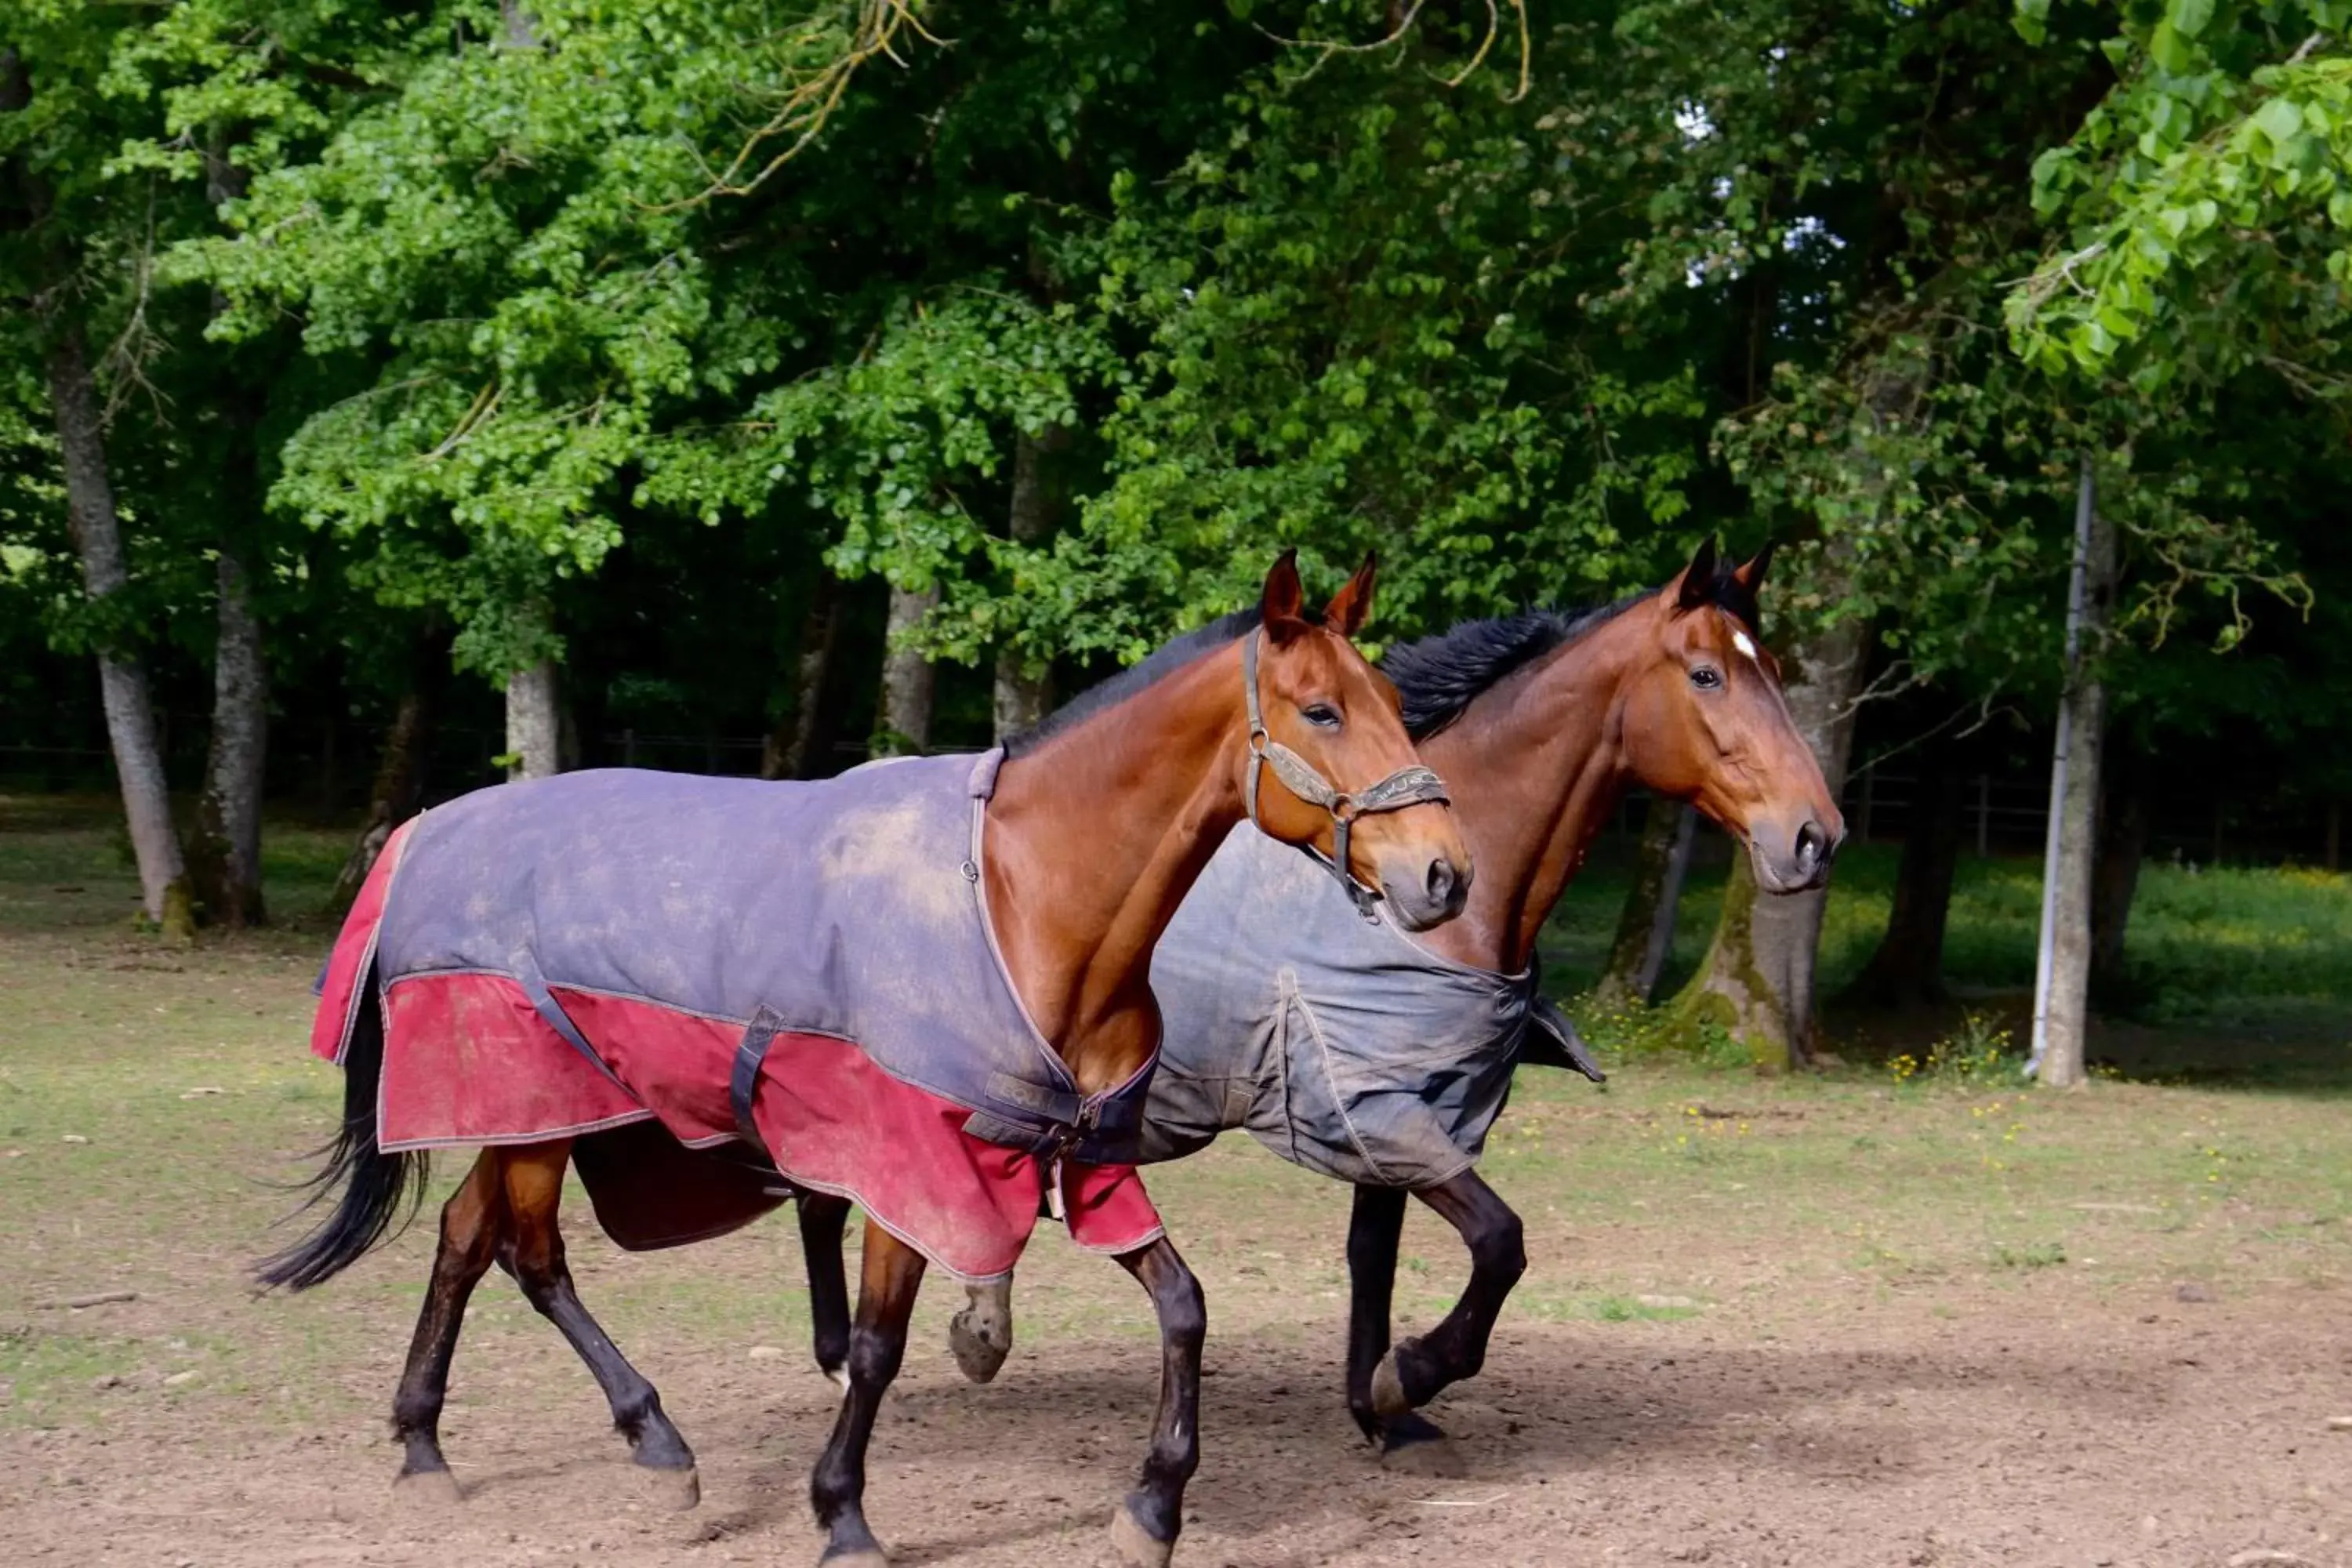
{"x": 1408, "y": 786}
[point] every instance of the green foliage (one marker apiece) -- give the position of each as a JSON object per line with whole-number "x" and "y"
{"x": 2203, "y": 200}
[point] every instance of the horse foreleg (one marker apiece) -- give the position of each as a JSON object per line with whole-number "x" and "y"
{"x": 823, "y": 1219}
{"x": 1144, "y": 1530}
{"x": 531, "y": 1249}
{"x": 1418, "y": 1369}
{"x": 887, "y": 1284}
{"x": 470, "y": 1230}
{"x": 981, "y": 1335}
{"x": 1375, "y": 1228}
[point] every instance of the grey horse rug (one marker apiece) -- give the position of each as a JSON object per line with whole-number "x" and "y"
{"x": 1341, "y": 1045}
{"x": 808, "y": 965}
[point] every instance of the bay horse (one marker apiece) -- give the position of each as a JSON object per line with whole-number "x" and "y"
{"x": 653, "y": 945}
{"x": 1543, "y": 721}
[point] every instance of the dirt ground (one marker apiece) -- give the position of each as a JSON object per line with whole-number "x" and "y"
{"x": 2022, "y": 1427}
{"x": 1820, "y": 1323}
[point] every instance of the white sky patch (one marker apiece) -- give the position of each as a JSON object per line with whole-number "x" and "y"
{"x": 1809, "y": 231}
{"x": 1739, "y": 640}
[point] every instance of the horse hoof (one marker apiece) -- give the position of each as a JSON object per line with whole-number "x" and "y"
{"x": 1388, "y": 1389}
{"x": 839, "y": 1378}
{"x": 428, "y": 1488}
{"x": 854, "y": 1557}
{"x": 977, "y": 1354}
{"x": 678, "y": 1490}
{"x": 1137, "y": 1547}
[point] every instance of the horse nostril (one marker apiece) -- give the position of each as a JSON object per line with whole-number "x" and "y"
{"x": 1441, "y": 881}
{"x": 1812, "y": 844}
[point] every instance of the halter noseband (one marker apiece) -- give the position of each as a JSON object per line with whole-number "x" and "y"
{"x": 1408, "y": 786}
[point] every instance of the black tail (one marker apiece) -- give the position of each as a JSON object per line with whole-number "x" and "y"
{"x": 380, "y": 1192}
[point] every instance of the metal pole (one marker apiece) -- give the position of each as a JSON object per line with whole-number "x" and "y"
{"x": 2044, "y": 951}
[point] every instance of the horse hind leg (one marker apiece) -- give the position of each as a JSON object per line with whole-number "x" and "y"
{"x": 822, "y": 1218}
{"x": 892, "y": 1275}
{"x": 981, "y": 1335}
{"x": 531, "y": 1249}
{"x": 469, "y": 1227}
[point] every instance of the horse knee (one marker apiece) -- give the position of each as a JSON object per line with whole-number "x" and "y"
{"x": 874, "y": 1357}
{"x": 1499, "y": 1249}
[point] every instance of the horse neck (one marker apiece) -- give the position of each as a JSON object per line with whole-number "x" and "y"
{"x": 1093, "y": 841}
{"x": 1534, "y": 765}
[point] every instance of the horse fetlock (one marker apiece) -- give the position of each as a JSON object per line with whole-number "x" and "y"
{"x": 1134, "y": 1541}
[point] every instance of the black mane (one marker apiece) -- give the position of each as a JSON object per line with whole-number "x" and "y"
{"x": 1164, "y": 661}
{"x": 1439, "y": 677}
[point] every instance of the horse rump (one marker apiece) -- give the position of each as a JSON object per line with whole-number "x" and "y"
{"x": 380, "y": 1192}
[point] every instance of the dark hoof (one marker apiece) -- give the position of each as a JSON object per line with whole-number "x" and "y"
{"x": 669, "y": 1487}
{"x": 980, "y": 1347}
{"x": 1136, "y": 1546}
{"x": 867, "y": 1556}
{"x": 428, "y": 1488}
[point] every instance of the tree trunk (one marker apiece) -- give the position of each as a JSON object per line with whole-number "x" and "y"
{"x": 902, "y": 726}
{"x": 534, "y": 726}
{"x": 2115, "y": 879}
{"x": 225, "y": 855}
{"x": 1908, "y": 970}
{"x": 123, "y": 678}
{"x": 1645, "y": 930}
{"x": 1757, "y": 982}
{"x": 398, "y": 790}
{"x": 791, "y": 744}
{"x": 1024, "y": 691}
{"x": 2066, "y": 1002}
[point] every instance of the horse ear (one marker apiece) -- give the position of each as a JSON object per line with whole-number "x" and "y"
{"x": 1698, "y": 585}
{"x": 1750, "y": 576}
{"x": 1283, "y": 609}
{"x": 1351, "y": 607}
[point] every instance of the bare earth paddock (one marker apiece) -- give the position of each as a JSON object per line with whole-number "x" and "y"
{"x": 1830, "y": 1321}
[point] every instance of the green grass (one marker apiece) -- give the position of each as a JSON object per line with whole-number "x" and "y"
{"x": 2259, "y": 952}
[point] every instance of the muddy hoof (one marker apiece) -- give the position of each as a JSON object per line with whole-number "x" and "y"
{"x": 1388, "y": 1389}
{"x": 978, "y": 1352}
{"x": 679, "y": 1489}
{"x": 428, "y": 1488}
{"x": 1136, "y": 1546}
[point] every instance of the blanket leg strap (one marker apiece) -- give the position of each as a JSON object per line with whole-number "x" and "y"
{"x": 750, "y": 1055}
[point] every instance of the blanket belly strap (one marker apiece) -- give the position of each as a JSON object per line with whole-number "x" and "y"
{"x": 744, "y": 1083}
{"x": 542, "y": 1002}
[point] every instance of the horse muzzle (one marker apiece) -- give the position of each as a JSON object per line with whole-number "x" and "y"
{"x": 1431, "y": 899}
{"x": 1795, "y": 859}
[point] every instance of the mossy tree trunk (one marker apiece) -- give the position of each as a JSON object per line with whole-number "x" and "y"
{"x": 1645, "y": 930}
{"x": 1024, "y": 691}
{"x": 902, "y": 724}
{"x": 791, "y": 744}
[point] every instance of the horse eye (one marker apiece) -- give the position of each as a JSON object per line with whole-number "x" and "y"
{"x": 1322, "y": 715}
{"x": 1706, "y": 678}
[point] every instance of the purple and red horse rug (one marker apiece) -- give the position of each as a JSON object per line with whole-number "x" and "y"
{"x": 1340, "y": 1044}
{"x": 809, "y": 965}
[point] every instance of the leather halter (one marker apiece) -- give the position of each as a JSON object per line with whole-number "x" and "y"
{"x": 1408, "y": 786}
